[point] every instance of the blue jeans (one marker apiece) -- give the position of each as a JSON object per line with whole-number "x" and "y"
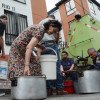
{"x": 73, "y": 76}
{"x": 59, "y": 81}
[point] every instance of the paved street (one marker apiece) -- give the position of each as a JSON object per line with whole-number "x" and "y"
{"x": 66, "y": 97}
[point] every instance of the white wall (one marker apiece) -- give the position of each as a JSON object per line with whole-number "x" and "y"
{"x": 97, "y": 11}
{"x": 24, "y": 9}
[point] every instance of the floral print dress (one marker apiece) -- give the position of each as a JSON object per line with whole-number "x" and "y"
{"x": 16, "y": 60}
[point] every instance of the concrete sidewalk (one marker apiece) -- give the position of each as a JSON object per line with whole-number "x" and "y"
{"x": 65, "y": 97}
{"x": 75, "y": 97}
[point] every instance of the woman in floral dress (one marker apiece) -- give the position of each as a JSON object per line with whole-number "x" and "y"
{"x": 21, "y": 59}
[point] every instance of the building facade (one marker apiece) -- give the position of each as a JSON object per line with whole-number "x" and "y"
{"x": 21, "y": 14}
{"x": 94, "y": 8}
{"x": 67, "y": 9}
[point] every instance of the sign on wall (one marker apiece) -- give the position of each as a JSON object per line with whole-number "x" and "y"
{"x": 8, "y": 7}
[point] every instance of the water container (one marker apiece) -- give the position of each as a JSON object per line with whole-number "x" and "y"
{"x": 68, "y": 87}
{"x": 76, "y": 87}
{"x": 48, "y": 65}
{"x": 3, "y": 69}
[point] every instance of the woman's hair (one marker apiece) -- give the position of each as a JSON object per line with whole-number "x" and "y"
{"x": 55, "y": 23}
{"x": 3, "y": 16}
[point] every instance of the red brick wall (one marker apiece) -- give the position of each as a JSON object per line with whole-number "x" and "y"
{"x": 39, "y": 10}
{"x": 66, "y": 19}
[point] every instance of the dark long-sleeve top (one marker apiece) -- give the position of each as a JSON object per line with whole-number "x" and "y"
{"x": 2, "y": 28}
{"x": 96, "y": 62}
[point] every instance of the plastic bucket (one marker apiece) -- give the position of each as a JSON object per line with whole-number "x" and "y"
{"x": 3, "y": 69}
{"x": 48, "y": 65}
{"x": 68, "y": 87}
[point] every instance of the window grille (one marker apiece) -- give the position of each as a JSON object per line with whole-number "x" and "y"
{"x": 15, "y": 25}
{"x": 70, "y": 7}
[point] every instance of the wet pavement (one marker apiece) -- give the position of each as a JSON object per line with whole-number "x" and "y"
{"x": 95, "y": 96}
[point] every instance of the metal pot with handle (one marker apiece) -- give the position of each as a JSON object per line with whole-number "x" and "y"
{"x": 89, "y": 81}
{"x": 28, "y": 87}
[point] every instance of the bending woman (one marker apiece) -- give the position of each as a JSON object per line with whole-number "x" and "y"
{"x": 21, "y": 59}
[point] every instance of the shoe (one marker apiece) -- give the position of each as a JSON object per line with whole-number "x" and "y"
{"x": 60, "y": 92}
{"x": 49, "y": 92}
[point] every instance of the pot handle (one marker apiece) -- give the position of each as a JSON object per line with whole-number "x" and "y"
{"x": 43, "y": 75}
{"x": 13, "y": 79}
{"x": 81, "y": 74}
{"x": 11, "y": 73}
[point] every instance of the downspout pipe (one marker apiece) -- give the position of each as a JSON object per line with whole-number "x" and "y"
{"x": 82, "y": 7}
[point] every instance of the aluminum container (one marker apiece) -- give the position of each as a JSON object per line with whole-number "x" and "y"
{"x": 28, "y": 87}
{"x": 89, "y": 81}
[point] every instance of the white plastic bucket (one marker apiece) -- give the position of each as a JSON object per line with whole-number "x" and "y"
{"x": 3, "y": 69}
{"x": 48, "y": 65}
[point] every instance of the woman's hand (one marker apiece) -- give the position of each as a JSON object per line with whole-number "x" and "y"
{"x": 43, "y": 48}
{"x": 26, "y": 71}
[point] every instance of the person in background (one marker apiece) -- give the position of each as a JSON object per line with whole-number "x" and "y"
{"x": 52, "y": 41}
{"x": 21, "y": 60}
{"x": 67, "y": 64}
{"x": 3, "y": 21}
{"x": 95, "y": 56}
{"x": 52, "y": 36}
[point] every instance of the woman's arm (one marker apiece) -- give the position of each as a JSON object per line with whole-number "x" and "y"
{"x": 57, "y": 37}
{"x": 29, "y": 48}
{"x": 41, "y": 46}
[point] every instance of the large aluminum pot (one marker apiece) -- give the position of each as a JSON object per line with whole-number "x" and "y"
{"x": 28, "y": 87}
{"x": 89, "y": 81}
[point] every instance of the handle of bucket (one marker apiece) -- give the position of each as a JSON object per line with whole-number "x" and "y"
{"x": 52, "y": 50}
{"x": 11, "y": 78}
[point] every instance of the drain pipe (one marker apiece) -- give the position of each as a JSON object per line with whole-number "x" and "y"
{"x": 82, "y": 7}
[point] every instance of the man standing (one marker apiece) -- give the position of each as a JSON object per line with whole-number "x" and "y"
{"x": 51, "y": 41}
{"x": 95, "y": 56}
{"x": 3, "y": 21}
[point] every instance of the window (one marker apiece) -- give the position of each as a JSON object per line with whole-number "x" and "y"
{"x": 15, "y": 25}
{"x": 22, "y": 1}
{"x": 70, "y": 7}
{"x": 98, "y": 8}
{"x": 92, "y": 7}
